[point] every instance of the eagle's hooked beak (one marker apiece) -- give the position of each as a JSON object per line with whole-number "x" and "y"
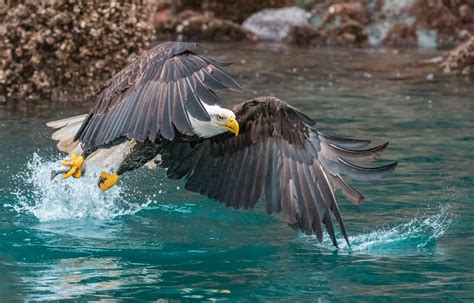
{"x": 232, "y": 126}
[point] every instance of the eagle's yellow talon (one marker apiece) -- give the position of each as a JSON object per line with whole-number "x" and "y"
{"x": 71, "y": 172}
{"x": 77, "y": 174}
{"x": 107, "y": 180}
{"x": 76, "y": 163}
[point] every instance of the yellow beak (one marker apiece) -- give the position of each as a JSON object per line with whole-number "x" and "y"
{"x": 232, "y": 126}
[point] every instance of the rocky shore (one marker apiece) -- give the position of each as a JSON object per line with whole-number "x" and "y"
{"x": 63, "y": 49}
{"x": 460, "y": 60}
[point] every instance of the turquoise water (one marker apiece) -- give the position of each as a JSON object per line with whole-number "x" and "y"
{"x": 412, "y": 238}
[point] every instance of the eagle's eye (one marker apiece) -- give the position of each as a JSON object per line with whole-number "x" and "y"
{"x": 219, "y": 118}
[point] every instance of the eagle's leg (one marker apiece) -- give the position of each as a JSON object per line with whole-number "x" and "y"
{"x": 140, "y": 154}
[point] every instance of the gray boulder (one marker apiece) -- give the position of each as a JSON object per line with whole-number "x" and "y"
{"x": 273, "y": 24}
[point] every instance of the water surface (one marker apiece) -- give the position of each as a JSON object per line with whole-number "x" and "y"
{"x": 149, "y": 239}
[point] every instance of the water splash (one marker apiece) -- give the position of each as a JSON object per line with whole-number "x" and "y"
{"x": 415, "y": 236}
{"x": 59, "y": 199}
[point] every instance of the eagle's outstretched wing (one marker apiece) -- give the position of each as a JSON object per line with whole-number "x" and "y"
{"x": 152, "y": 94}
{"x": 280, "y": 156}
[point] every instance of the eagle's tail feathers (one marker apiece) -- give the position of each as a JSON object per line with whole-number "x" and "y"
{"x": 64, "y": 122}
{"x": 67, "y": 128}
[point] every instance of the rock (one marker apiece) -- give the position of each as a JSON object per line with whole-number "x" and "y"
{"x": 305, "y": 35}
{"x": 401, "y": 35}
{"x": 236, "y": 11}
{"x": 351, "y": 33}
{"x": 194, "y": 26}
{"x": 335, "y": 24}
{"x": 433, "y": 60}
{"x": 447, "y": 18}
{"x": 460, "y": 60}
{"x": 350, "y": 11}
{"x": 384, "y": 15}
{"x": 66, "y": 49}
{"x": 274, "y": 24}
{"x": 162, "y": 12}
{"x": 466, "y": 13}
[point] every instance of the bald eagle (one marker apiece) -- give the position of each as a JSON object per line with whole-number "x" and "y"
{"x": 162, "y": 110}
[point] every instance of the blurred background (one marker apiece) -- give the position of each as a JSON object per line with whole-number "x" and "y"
{"x": 64, "y": 50}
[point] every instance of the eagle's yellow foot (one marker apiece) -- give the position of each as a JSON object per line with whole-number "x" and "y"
{"x": 107, "y": 180}
{"x": 76, "y": 163}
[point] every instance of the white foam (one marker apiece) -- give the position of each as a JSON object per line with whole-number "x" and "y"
{"x": 414, "y": 236}
{"x": 60, "y": 199}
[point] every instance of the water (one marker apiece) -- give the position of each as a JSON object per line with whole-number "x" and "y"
{"x": 148, "y": 239}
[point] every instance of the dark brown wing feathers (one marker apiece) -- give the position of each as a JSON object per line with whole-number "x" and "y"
{"x": 152, "y": 94}
{"x": 280, "y": 157}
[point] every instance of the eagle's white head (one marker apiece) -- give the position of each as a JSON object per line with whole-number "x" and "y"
{"x": 222, "y": 120}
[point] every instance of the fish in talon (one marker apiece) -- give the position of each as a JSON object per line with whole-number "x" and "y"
{"x": 65, "y": 169}
{"x": 58, "y": 171}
